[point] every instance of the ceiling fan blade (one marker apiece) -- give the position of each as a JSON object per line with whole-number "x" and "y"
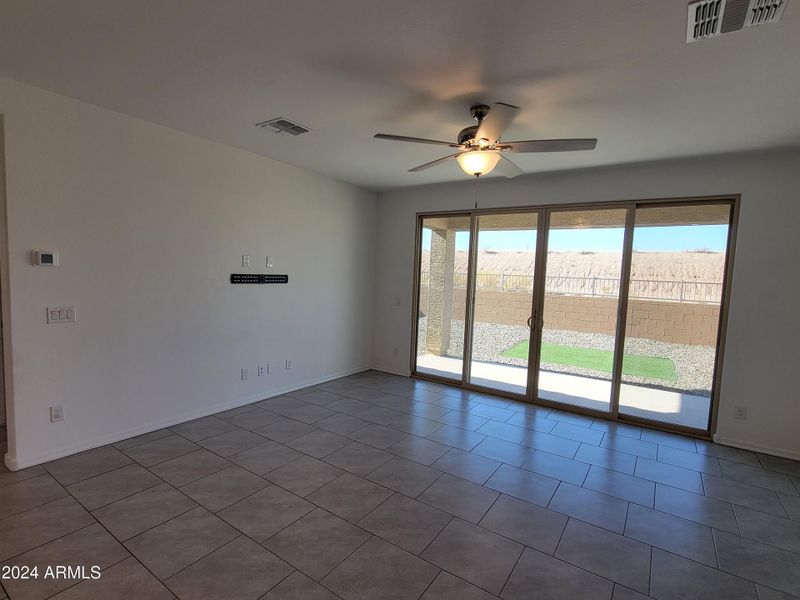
{"x": 496, "y": 122}
{"x": 508, "y": 168}
{"x": 567, "y": 145}
{"x": 433, "y": 163}
{"x": 416, "y": 140}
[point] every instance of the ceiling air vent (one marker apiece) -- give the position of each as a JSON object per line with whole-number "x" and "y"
{"x": 711, "y": 18}
{"x": 281, "y": 125}
{"x": 705, "y": 19}
{"x": 763, "y": 12}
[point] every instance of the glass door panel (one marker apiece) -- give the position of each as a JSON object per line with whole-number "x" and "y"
{"x": 444, "y": 250}
{"x": 503, "y": 300}
{"x": 580, "y": 306}
{"x": 674, "y": 302}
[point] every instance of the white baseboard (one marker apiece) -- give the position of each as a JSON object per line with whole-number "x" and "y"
{"x": 15, "y": 464}
{"x": 391, "y": 371}
{"x": 782, "y": 452}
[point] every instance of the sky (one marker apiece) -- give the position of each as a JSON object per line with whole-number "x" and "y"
{"x": 645, "y": 239}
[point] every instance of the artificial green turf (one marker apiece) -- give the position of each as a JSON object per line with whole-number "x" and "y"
{"x": 650, "y": 367}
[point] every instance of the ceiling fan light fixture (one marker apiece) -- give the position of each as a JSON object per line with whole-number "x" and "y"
{"x": 478, "y": 162}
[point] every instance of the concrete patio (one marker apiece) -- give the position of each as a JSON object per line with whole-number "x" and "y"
{"x": 638, "y": 401}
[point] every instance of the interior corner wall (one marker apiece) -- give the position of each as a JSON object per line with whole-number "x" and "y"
{"x": 762, "y": 350}
{"x": 150, "y": 223}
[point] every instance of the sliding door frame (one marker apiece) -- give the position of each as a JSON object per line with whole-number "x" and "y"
{"x": 469, "y": 322}
{"x": 543, "y": 222}
{"x": 539, "y": 298}
{"x": 469, "y": 309}
{"x": 733, "y": 202}
{"x": 622, "y": 310}
{"x": 537, "y": 320}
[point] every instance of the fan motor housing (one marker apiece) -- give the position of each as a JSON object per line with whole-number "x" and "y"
{"x": 467, "y": 134}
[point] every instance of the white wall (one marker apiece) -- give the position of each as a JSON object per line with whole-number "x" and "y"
{"x": 150, "y": 223}
{"x": 763, "y": 346}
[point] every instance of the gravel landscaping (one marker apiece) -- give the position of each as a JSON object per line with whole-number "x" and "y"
{"x": 693, "y": 364}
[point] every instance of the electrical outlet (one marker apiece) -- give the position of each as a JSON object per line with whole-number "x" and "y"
{"x": 269, "y": 368}
{"x": 262, "y": 370}
{"x": 246, "y": 260}
{"x": 740, "y": 412}
{"x": 245, "y": 374}
{"x": 269, "y": 262}
{"x": 56, "y": 413}
{"x": 288, "y": 364}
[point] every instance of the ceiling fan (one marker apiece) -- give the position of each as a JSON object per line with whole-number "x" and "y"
{"x": 480, "y": 149}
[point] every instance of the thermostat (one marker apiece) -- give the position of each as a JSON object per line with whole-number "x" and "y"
{"x": 45, "y": 258}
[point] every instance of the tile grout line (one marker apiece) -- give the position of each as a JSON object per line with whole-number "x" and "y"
{"x": 701, "y": 565}
{"x": 370, "y": 535}
{"x": 43, "y": 544}
{"x": 514, "y": 568}
{"x": 198, "y": 505}
{"x": 627, "y": 513}
{"x": 438, "y": 533}
{"x": 78, "y": 582}
{"x": 715, "y": 543}
{"x": 120, "y": 541}
{"x": 579, "y": 567}
{"x": 64, "y": 485}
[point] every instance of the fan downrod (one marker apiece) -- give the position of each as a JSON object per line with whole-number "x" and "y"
{"x": 479, "y": 111}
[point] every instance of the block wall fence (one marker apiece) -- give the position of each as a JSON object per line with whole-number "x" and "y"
{"x": 672, "y": 322}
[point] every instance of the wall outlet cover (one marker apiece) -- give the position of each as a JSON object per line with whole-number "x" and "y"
{"x": 56, "y": 413}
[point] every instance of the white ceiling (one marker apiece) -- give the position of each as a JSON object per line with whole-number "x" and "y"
{"x": 618, "y": 70}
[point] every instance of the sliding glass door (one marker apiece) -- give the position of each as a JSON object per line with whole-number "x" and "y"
{"x": 610, "y": 309}
{"x": 580, "y": 305}
{"x": 505, "y": 262}
{"x": 442, "y": 295}
{"x": 675, "y": 298}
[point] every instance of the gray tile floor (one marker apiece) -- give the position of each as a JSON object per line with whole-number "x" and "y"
{"x": 376, "y": 486}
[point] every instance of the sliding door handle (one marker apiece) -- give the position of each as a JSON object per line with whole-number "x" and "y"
{"x": 530, "y": 321}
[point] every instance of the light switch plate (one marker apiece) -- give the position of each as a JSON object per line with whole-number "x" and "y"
{"x": 61, "y": 314}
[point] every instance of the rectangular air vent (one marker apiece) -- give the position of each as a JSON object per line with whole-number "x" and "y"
{"x": 705, "y": 19}
{"x": 281, "y": 125}
{"x": 711, "y": 18}
{"x": 763, "y": 12}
